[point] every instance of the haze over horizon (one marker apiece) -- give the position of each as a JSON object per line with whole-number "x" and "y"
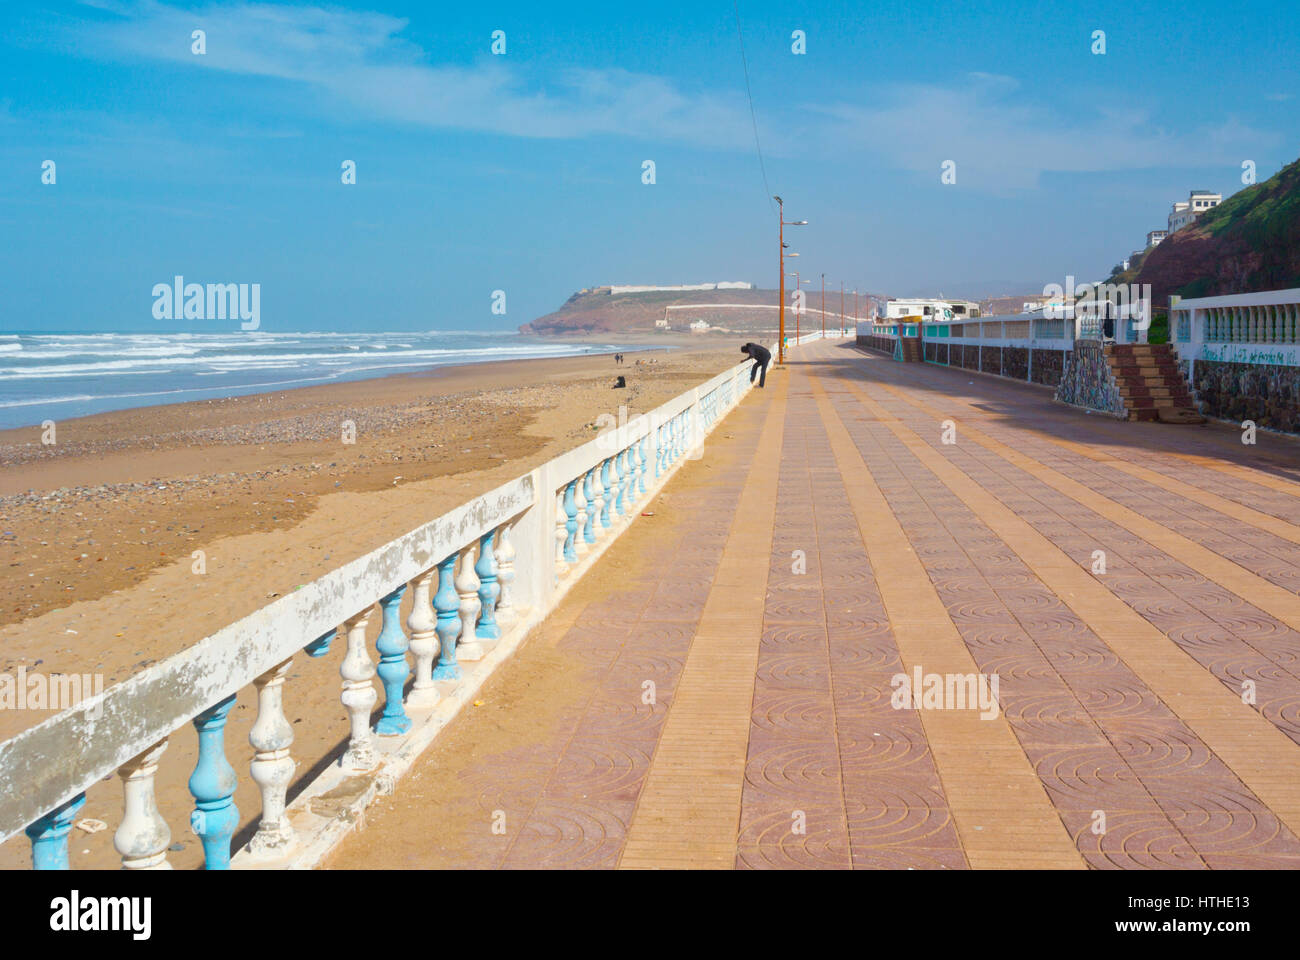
{"x": 523, "y": 172}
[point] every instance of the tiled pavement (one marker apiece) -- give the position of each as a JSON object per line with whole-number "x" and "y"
{"x": 1150, "y": 713}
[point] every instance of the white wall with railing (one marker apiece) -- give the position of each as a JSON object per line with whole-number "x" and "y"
{"x": 1255, "y": 328}
{"x": 480, "y": 576}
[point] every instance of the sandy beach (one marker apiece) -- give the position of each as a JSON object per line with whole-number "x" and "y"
{"x": 98, "y": 532}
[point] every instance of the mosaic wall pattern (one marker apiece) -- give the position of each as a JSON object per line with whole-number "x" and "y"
{"x": 1267, "y": 394}
{"x": 991, "y": 360}
{"x": 1048, "y": 366}
{"x": 885, "y": 344}
{"x": 1015, "y": 363}
{"x": 1011, "y": 362}
{"x": 1086, "y": 381}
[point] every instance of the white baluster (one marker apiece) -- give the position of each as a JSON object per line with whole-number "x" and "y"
{"x": 506, "y": 612}
{"x": 424, "y": 641}
{"x": 580, "y": 501}
{"x": 469, "y": 646}
{"x": 143, "y": 836}
{"x": 597, "y": 501}
{"x": 561, "y": 519}
{"x": 271, "y": 768}
{"x": 358, "y": 696}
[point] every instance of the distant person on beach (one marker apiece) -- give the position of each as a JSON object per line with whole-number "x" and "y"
{"x": 761, "y": 357}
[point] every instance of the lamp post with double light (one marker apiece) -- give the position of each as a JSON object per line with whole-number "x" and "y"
{"x": 780, "y": 208}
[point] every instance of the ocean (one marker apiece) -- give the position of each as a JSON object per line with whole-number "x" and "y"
{"x": 60, "y": 376}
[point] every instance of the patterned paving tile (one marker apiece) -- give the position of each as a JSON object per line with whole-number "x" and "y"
{"x": 834, "y": 776}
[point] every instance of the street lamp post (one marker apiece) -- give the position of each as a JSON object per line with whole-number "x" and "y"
{"x": 823, "y": 306}
{"x": 797, "y": 311}
{"x": 780, "y": 208}
{"x": 841, "y": 308}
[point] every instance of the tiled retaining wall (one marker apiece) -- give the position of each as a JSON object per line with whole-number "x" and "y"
{"x": 1010, "y": 362}
{"x": 1048, "y": 366}
{"x": 1267, "y": 394}
{"x": 885, "y": 344}
{"x": 1087, "y": 381}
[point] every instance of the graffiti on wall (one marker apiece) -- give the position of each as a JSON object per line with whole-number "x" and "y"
{"x": 1086, "y": 380}
{"x": 1268, "y": 394}
{"x": 1241, "y": 353}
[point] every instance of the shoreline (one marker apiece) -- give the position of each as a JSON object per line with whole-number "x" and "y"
{"x": 125, "y": 494}
{"x": 130, "y": 555}
{"x": 48, "y": 406}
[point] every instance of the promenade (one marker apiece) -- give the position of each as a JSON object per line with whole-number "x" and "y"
{"x": 717, "y": 692}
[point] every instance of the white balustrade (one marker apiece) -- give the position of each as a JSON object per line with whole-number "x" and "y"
{"x": 271, "y": 767}
{"x": 435, "y": 563}
{"x": 143, "y": 836}
{"x": 359, "y": 696}
{"x": 506, "y": 612}
{"x": 424, "y": 641}
{"x": 468, "y": 646}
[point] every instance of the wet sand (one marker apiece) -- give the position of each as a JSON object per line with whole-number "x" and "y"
{"x": 97, "y": 533}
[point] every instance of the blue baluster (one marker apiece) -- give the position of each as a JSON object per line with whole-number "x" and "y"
{"x": 659, "y": 451}
{"x": 607, "y": 498}
{"x": 489, "y": 587}
{"x": 321, "y": 645}
{"x": 641, "y": 453}
{"x": 571, "y": 524}
{"x": 49, "y": 835}
{"x": 446, "y": 602}
{"x": 393, "y": 668}
{"x": 213, "y": 787}
{"x": 589, "y": 532}
{"x": 620, "y": 485}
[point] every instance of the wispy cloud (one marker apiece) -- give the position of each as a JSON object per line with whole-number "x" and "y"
{"x": 361, "y": 60}
{"x": 1001, "y": 140}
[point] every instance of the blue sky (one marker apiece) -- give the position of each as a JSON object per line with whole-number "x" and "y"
{"x": 522, "y": 172}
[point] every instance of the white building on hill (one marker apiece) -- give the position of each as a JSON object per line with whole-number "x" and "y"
{"x": 1197, "y": 202}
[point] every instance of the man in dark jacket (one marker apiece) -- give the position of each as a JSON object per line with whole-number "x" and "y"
{"x": 761, "y": 357}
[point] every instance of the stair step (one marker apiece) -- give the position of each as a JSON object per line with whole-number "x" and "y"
{"x": 1179, "y": 415}
{"x": 1142, "y": 390}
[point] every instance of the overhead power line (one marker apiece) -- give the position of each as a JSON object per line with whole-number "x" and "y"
{"x": 762, "y": 168}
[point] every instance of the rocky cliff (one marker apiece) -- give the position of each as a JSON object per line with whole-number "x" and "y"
{"x": 1249, "y": 242}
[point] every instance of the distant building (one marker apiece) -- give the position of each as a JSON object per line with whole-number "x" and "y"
{"x": 722, "y": 285}
{"x": 931, "y": 309}
{"x": 1154, "y": 238}
{"x": 699, "y": 326}
{"x": 1198, "y": 201}
{"x": 662, "y": 323}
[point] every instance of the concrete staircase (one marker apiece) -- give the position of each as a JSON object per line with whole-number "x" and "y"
{"x": 1150, "y": 383}
{"x": 912, "y": 350}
